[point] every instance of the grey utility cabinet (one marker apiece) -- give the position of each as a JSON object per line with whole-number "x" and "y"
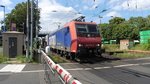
{"x": 13, "y": 43}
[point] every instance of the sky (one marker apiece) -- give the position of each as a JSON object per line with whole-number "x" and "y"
{"x": 59, "y": 12}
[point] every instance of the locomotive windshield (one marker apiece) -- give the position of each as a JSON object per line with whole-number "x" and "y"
{"x": 86, "y": 28}
{"x": 92, "y": 28}
{"x": 81, "y": 28}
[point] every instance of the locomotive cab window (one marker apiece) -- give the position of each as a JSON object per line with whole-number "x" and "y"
{"x": 92, "y": 29}
{"x": 81, "y": 28}
{"x": 86, "y": 28}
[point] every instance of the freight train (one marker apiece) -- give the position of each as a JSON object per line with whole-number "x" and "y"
{"x": 76, "y": 39}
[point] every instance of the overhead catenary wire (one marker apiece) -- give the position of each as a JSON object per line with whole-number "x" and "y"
{"x": 130, "y": 5}
{"x": 83, "y": 5}
{"x": 140, "y": 8}
{"x": 135, "y": 8}
{"x": 99, "y": 10}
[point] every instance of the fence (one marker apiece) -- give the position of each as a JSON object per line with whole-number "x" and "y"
{"x": 54, "y": 73}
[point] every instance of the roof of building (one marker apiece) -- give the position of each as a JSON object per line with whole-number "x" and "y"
{"x": 14, "y": 32}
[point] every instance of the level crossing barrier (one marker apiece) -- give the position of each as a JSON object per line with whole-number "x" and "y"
{"x": 54, "y": 73}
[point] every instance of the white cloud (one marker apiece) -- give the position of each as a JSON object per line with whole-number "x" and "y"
{"x": 97, "y": 1}
{"x": 5, "y": 2}
{"x": 113, "y": 13}
{"x": 96, "y": 4}
{"x": 1, "y": 15}
{"x": 90, "y": 4}
{"x": 52, "y": 12}
{"x": 136, "y": 5}
{"x": 115, "y": 4}
{"x": 129, "y": 4}
{"x": 113, "y": 1}
{"x": 85, "y": 7}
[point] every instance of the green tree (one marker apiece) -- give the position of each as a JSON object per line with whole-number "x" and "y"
{"x": 137, "y": 24}
{"x": 147, "y": 27}
{"x": 118, "y": 28}
{"x": 114, "y": 25}
{"x": 18, "y": 16}
{"x": 104, "y": 30}
{"x": 122, "y": 31}
{"x": 116, "y": 20}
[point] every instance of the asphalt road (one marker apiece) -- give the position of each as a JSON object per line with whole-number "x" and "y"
{"x": 31, "y": 74}
{"x": 111, "y": 71}
{"x": 100, "y": 71}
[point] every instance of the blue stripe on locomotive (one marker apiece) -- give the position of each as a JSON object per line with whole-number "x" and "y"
{"x": 50, "y": 35}
{"x": 63, "y": 37}
{"x": 67, "y": 37}
{"x": 59, "y": 38}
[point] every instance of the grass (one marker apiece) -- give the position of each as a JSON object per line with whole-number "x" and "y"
{"x": 115, "y": 47}
{"x": 141, "y": 47}
{"x": 57, "y": 59}
{"x": 19, "y": 59}
{"x": 127, "y": 55}
{"x": 3, "y": 59}
{"x": 111, "y": 47}
{"x": 137, "y": 47}
{"x": 22, "y": 59}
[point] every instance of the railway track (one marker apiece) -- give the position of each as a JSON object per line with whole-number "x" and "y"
{"x": 106, "y": 68}
{"x": 117, "y": 75}
{"x": 89, "y": 59}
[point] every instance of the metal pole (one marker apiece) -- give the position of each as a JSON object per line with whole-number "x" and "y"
{"x": 4, "y": 19}
{"x": 36, "y": 23}
{"x": 27, "y": 26}
{"x": 31, "y": 31}
{"x": 4, "y": 15}
{"x": 59, "y": 25}
{"x": 100, "y": 21}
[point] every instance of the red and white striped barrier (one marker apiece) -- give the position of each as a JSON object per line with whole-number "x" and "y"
{"x": 75, "y": 82}
{"x": 65, "y": 75}
{"x": 49, "y": 61}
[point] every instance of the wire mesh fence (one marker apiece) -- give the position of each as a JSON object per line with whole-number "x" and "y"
{"x": 54, "y": 73}
{"x": 51, "y": 77}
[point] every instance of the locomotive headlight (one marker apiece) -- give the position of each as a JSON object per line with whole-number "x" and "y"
{"x": 98, "y": 44}
{"x": 80, "y": 45}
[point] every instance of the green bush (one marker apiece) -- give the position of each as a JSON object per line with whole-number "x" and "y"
{"x": 146, "y": 46}
{"x": 141, "y": 47}
{"x": 137, "y": 47}
{"x": 22, "y": 59}
{"x": 111, "y": 47}
{"x": 3, "y": 58}
{"x": 57, "y": 58}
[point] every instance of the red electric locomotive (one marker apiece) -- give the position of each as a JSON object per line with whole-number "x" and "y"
{"x": 77, "y": 39}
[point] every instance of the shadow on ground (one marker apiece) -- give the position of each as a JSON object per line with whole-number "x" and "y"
{"x": 98, "y": 59}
